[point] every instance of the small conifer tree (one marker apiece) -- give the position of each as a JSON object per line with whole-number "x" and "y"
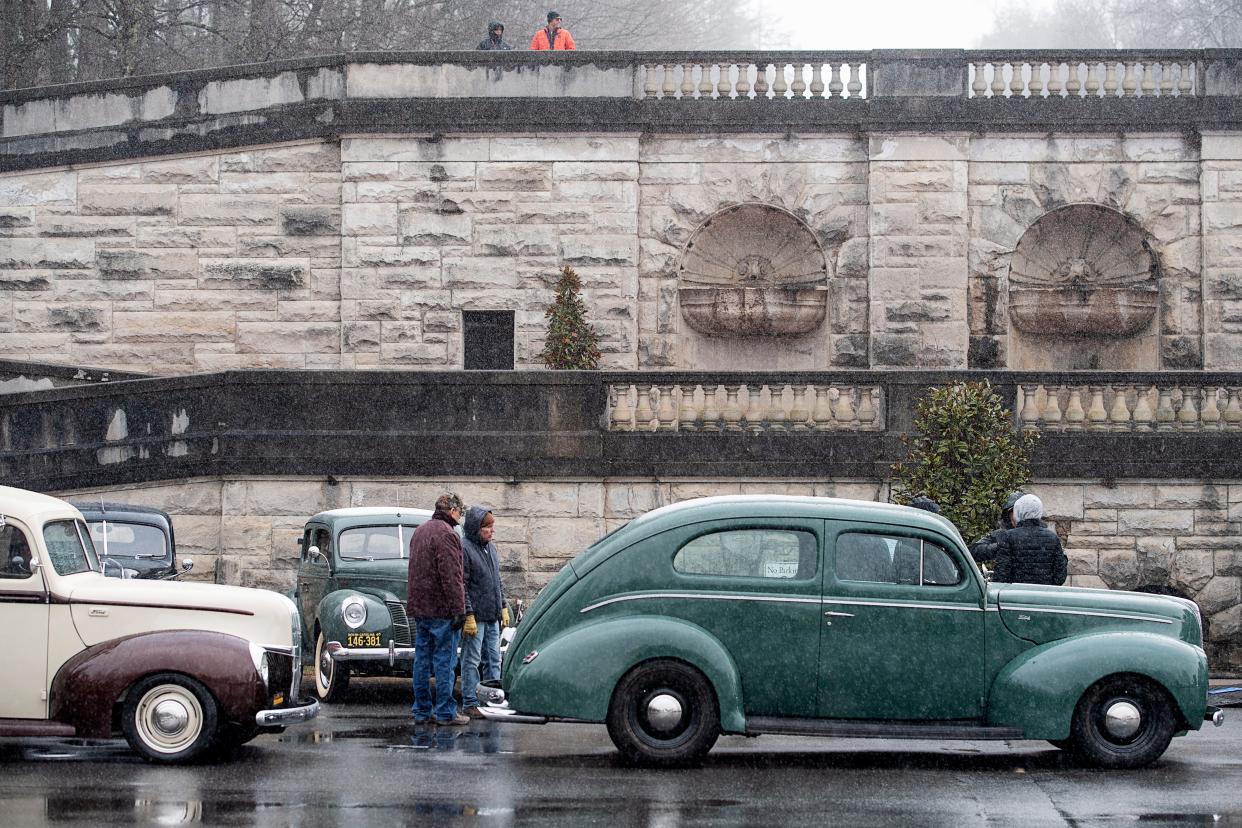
{"x": 571, "y": 342}
{"x": 965, "y": 454}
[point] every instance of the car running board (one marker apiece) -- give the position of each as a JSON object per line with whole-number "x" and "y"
{"x": 775, "y": 725}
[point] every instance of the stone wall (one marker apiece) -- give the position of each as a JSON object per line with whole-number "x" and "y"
{"x": 1182, "y": 535}
{"x": 363, "y": 253}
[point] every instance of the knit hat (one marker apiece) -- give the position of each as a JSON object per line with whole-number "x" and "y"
{"x": 552, "y": 15}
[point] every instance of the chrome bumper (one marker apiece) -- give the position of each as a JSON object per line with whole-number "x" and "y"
{"x": 392, "y": 653}
{"x": 502, "y": 713}
{"x": 304, "y": 712}
{"x": 1214, "y": 715}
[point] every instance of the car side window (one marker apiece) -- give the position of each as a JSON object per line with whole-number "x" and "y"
{"x": 784, "y": 554}
{"x": 883, "y": 559}
{"x": 322, "y": 539}
{"x": 14, "y": 553}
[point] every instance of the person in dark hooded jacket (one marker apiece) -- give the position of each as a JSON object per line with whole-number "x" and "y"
{"x": 1030, "y": 552}
{"x": 485, "y": 607}
{"x": 984, "y": 549}
{"x": 495, "y": 40}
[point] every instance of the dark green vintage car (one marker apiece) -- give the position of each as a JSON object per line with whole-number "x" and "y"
{"x": 816, "y": 616}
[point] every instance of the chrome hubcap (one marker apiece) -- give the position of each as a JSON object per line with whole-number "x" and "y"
{"x": 663, "y": 712}
{"x": 170, "y": 717}
{"x": 1122, "y": 719}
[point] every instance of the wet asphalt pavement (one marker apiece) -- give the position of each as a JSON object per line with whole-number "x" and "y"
{"x": 364, "y": 763}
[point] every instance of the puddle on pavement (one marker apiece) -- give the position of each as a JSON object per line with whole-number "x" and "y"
{"x": 480, "y": 738}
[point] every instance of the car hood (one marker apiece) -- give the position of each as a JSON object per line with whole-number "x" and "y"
{"x": 105, "y": 608}
{"x": 1045, "y": 613}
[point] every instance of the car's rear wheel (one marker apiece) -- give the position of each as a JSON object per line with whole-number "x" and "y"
{"x": 663, "y": 713}
{"x": 169, "y": 718}
{"x": 1123, "y": 721}
{"x": 331, "y": 677}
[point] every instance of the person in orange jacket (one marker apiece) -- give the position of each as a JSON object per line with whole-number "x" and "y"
{"x": 553, "y": 36}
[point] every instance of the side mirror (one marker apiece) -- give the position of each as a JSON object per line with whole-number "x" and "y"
{"x": 313, "y": 554}
{"x": 186, "y": 564}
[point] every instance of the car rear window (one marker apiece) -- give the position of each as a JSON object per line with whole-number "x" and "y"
{"x": 783, "y": 554}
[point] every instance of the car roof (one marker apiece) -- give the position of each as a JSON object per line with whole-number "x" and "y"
{"x": 94, "y": 508}
{"x": 363, "y": 514}
{"x": 32, "y": 506}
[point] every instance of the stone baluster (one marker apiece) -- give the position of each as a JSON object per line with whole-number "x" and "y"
{"x": 1051, "y": 414}
{"x": 979, "y": 84}
{"x": 687, "y": 81}
{"x": 1149, "y": 79}
{"x": 1074, "y": 413}
{"x": 1164, "y": 410}
{"x": 711, "y": 414}
{"x": 1028, "y": 411}
{"x": 1144, "y": 415}
{"x": 1092, "y": 85}
{"x": 1185, "y": 83}
{"x": 1129, "y": 83}
{"x": 754, "y": 414}
{"x": 1072, "y": 86}
{"x": 669, "y": 87}
{"x": 835, "y": 86}
{"x": 854, "y": 87}
{"x": 843, "y": 412}
{"x": 1188, "y": 412}
{"x": 817, "y": 80}
{"x": 1119, "y": 413}
{"x": 622, "y": 414}
{"x": 867, "y": 413}
{"x": 1097, "y": 416}
{"x": 687, "y": 414}
{"x": 1110, "y": 79}
{"x": 644, "y": 414}
{"x": 1017, "y": 79}
{"x": 706, "y": 87}
{"x": 798, "y": 412}
{"x": 1054, "y": 79}
{"x": 1166, "y": 79}
{"x": 666, "y": 408}
{"x": 743, "y": 81}
{"x": 779, "y": 83}
{"x": 1210, "y": 415}
{"x": 1037, "y": 80}
{"x": 776, "y": 408}
{"x": 998, "y": 80}
{"x": 822, "y": 415}
{"x": 651, "y": 88}
{"x": 732, "y": 414}
{"x": 724, "y": 82}
{"x": 1233, "y": 410}
{"x": 799, "y": 81}
{"x": 761, "y": 80}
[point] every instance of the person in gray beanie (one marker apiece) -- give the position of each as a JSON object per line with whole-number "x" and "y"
{"x": 495, "y": 40}
{"x": 984, "y": 549}
{"x": 1030, "y": 552}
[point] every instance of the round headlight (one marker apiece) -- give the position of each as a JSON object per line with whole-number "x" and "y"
{"x": 354, "y": 611}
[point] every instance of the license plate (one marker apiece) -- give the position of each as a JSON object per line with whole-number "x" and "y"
{"x": 362, "y": 639}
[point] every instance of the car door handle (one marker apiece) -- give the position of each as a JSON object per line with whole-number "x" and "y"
{"x": 839, "y": 614}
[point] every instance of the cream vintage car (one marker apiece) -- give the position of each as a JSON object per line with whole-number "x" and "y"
{"x": 181, "y": 669}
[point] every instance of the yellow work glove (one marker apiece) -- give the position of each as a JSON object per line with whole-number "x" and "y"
{"x": 471, "y": 629}
{"x": 504, "y": 616}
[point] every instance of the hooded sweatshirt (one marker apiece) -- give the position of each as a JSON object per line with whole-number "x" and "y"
{"x": 484, "y": 591}
{"x": 495, "y": 42}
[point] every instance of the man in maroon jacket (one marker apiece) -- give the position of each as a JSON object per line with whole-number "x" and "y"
{"x": 437, "y": 603}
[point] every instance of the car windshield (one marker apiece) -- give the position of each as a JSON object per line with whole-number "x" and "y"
{"x": 375, "y": 543}
{"x": 129, "y": 540}
{"x": 69, "y": 547}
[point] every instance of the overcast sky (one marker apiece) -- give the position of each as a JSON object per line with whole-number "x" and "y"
{"x": 881, "y": 24}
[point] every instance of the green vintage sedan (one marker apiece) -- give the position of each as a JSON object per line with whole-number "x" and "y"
{"x": 817, "y": 616}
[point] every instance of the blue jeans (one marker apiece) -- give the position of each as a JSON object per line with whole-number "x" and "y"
{"x": 480, "y": 653}
{"x": 435, "y": 650}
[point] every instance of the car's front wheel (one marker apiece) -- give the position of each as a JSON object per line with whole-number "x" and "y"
{"x": 1123, "y": 721}
{"x": 169, "y": 718}
{"x": 331, "y": 677}
{"x": 663, "y": 713}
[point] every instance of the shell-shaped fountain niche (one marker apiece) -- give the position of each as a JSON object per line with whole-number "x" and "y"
{"x": 1083, "y": 270}
{"x": 753, "y": 270}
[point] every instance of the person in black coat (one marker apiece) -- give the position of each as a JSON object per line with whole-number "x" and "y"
{"x": 984, "y": 549}
{"x": 495, "y": 40}
{"x": 1030, "y": 552}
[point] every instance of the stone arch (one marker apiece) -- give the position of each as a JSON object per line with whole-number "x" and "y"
{"x": 1083, "y": 292}
{"x": 753, "y": 270}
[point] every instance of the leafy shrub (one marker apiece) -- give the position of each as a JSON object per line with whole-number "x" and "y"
{"x": 965, "y": 454}
{"x": 571, "y": 342}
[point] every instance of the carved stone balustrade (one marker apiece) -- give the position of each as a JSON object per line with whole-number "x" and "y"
{"x": 1083, "y": 74}
{"x": 745, "y": 407}
{"x": 736, "y": 75}
{"x": 1129, "y": 407}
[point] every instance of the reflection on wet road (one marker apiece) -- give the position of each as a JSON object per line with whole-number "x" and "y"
{"x": 364, "y": 763}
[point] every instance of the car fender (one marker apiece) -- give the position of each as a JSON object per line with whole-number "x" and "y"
{"x": 574, "y": 674}
{"x": 88, "y": 686}
{"x": 332, "y": 624}
{"x": 1039, "y": 689}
